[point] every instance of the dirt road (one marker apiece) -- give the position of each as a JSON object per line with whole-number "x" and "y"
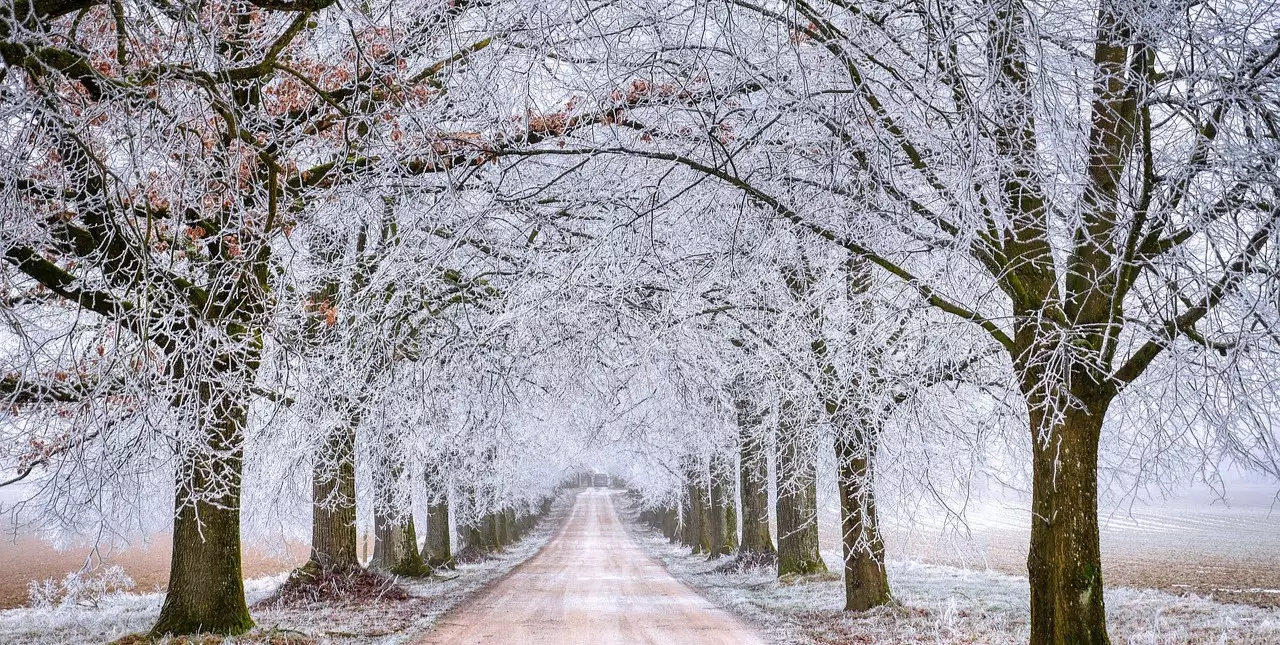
{"x": 592, "y": 584}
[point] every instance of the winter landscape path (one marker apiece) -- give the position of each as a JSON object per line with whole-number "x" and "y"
{"x": 592, "y": 584}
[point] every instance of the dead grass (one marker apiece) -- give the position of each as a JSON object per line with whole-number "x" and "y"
{"x": 312, "y": 584}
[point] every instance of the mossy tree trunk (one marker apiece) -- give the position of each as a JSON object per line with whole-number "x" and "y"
{"x": 395, "y": 539}
{"x": 206, "y": 583}
{"x": 866, "y": 582}
{"x": 1064, "y": 564}
{"x": 697, "y": 522}
{"x": 482, "y": 536}
{"x": 797, "y": 506}
{"x": 395, "y": 545}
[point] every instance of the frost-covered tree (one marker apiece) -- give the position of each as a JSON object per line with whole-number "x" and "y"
{"x": 156, "y": 160}
{"x": 1090, "y": 183}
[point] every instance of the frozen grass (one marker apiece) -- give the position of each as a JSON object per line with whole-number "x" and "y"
{"x": 118, "y": 615}
{"x": 939, "y": 604}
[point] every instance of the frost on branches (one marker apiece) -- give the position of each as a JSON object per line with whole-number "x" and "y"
{"x": 340, "y": 265}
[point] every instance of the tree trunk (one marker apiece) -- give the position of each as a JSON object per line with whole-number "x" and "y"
{"x": 1064, "y": 565}
{"x": 333, "y": 494}
{"x": 482, "y": 536}
{"x": 797, "y": 506}
{"x": 698, "y": 529}
{"x": 671, "y": 523}
{"x": 866, "y": 583}
{"x": 206, "y": 584}
{"x": 716, "y": 521}
{"x": 395, "y": 546}
{"x": 753, "y": 482}
{"x": 395, "y": 541}
{"x": 724, "y": 517}
{"x": 437, "y": 550}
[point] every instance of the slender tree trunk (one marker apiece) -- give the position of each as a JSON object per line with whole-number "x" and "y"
{"x": 333, "y": 493}
{"x": 206, "y": 585}
{"x": 716, "y": 521}
{"x": 866, "y": 584}
{"x": 698, "y": 524}
{"x": 671, "y": 523}
{"x": 797, "y": 506}
{"x": 724, "y": 517}
{"x": 753, "y": 483}
{"x": 1064, "y": 564}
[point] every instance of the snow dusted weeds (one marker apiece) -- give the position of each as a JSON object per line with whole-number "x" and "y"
{"x": 120, "y": 614}
{"x": 939, "y": 604}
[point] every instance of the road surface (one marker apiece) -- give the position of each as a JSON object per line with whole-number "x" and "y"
{"x": 591, "y": 585}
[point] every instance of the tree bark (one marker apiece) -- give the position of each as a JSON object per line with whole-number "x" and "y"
{"x": 797, "y": 506}
{"x": 395, "y": 545}
{"x": 697, "y": 524}
{"x": 866, "y": 583}
{"x": 395, "y": 540}
{"x": 753, "y": 483}
{"x": 1064, "y": 565}
{"x": 333, "y": 493}
{"x": 671, "y": 523}
{"x": 437, "y": 550}
{"x": 206, "y": 583}
{"x": 724, "y": 517}
{"x": 482, "y": 536}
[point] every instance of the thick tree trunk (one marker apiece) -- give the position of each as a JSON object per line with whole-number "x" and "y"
{"x": 395, "y": 545}
{"x": 797, "y": 506}
{"x": 395, "y": 541}
{"x": 716, "y": 520}
{"x": 437, "y": 549}
{"x": 866, "y": 583}
{"x": 510, "y": 533}
{"x": 333, "y": 494}
{"x": 1064, "y": 564}
{"x": 753, "y": 482}
{"x": 482, "y": 536}
{"x": 698, "y": 525}
{"x": 206, "y": 585}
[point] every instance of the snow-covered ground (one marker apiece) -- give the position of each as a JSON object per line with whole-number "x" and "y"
{"x": 118, "y": 614}
{"x": 945, "y": 604}
{"x": 1192, "y": 540}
